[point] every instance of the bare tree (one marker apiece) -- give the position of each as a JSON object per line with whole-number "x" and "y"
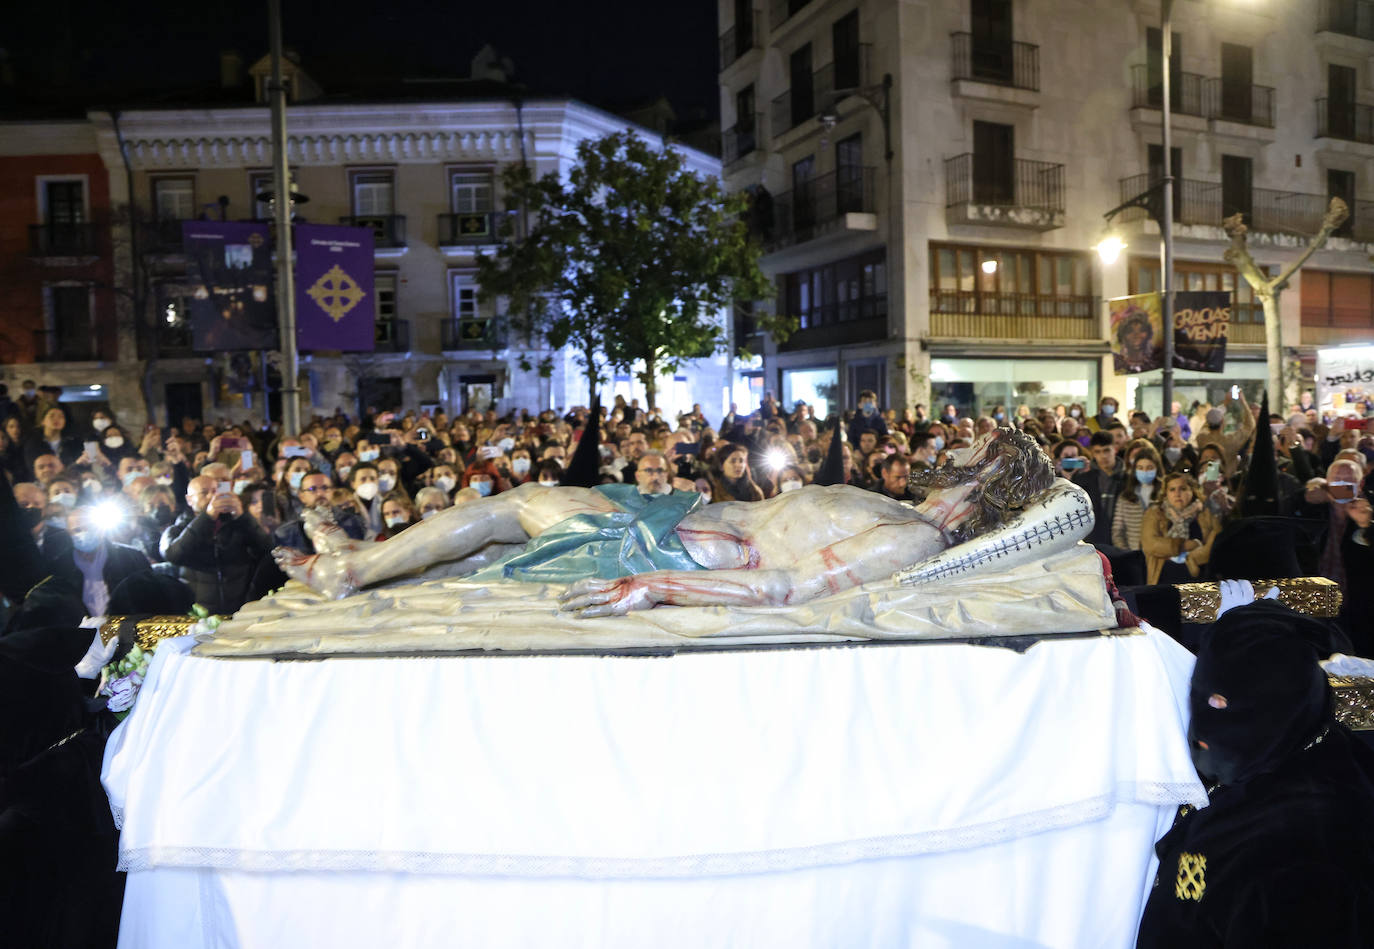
{"x": 1267, "y": 290}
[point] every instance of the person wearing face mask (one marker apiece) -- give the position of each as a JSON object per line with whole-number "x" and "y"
{"x": 430, "y": 501}
{"x": 93, "y": 563}
{"x": 156, "y": 512}
{"x": 520, "y": 465}
{"x": 867, "y": 419}
{"x": 1283, "y": 853}
{"x": 443, "y": 478}
{"x": 367, "y": 490}
{"x": 1106, "y": 411}
{"x": 1212, "y": 431}
{"x": 548, "y": 474}
{"x": 1137, "y": 493}
{"x": 288, "y": 488}
{"x": 484, "y": 478}
{"x": 217, "y": 550}
{"x": 397, "y": 515}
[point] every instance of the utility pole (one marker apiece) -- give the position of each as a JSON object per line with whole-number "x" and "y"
{"x": 1167, "y": 218}
{"x": 286, "y": 279}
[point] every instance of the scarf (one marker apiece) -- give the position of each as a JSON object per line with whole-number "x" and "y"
{"x": 1330, "y": 564}
{"x": 1180, "y": 521}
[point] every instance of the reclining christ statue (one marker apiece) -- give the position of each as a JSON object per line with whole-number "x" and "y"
{"x": 635, "y": 552}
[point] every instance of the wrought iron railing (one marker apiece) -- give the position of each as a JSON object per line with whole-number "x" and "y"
{"x": 1265, "y": 209}
{"x": 780, "y": 11}
{"x": 471, "y": 333}
{"x": 87, "y": 346}
{"x": 1351, "y": 17}
{"x": 63, "y": 240}
{"x": 477, "y": 227}
{"x": 1029, "y": 184}
{"x": 1185, "y": 91}
{"x": 741, "y": 138}
{"x": 739, "y": 39}
{"x": 1014, "y": 64}
{"x": 1239, "y": 102}
{"x": 1345, "y": 120}
{"x": 393, "y": 336}
{"x": 388, "y": 230}
{"x": 795, "y": 106}
{"x": 799, "y": 214}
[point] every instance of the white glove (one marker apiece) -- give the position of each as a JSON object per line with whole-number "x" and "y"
{"x": 1236, "y": 593}
{"x": 97, "y": 656}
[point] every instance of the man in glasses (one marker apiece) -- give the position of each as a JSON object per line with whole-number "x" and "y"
{"x": 313, "y": 494}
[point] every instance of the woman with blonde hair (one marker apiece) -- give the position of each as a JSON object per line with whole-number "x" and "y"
{"x": 1177, "y": 532}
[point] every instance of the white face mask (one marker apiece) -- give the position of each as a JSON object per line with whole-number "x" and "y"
{"x": 367, "y": 455}
{"x": 386, "y": 482}
{"x": 163, "y": 479}
{"x": 705, "y": 498}
{"x": 344, "y": 470}
{"x": 367, "y": 490}
{"x": 131, "y": 476}
{"x": 427, "y": 515}
{"x": 548, "y": 484}
{"x": 790, "y": 485}
{"x": 114, "y": 441}
{"x": 100, "y": 424}
{"x": 520, "y": 465}
{"x": 66, "y": 499}
{"x": 445, "y": 483}
{"x": 397, "y": 520}
{"x": 93, "y": 487}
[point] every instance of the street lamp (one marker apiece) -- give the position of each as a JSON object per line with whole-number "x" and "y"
{"x": 1110, "y": 248}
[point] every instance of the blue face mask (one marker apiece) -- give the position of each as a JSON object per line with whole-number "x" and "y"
{"x": 868, "y": 407}
{"x": 1000, "y": 416}
{"x": 1146, "y": 477}
{"x": 85, "y": 541}
{"x": 294, "y": 479}
{"x": 482, "y": 487}
{"x": 939, "y": 443}
{"x": 1108, "y": 410}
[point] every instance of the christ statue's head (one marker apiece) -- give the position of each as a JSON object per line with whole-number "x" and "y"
{"x": 1010, "y": 471}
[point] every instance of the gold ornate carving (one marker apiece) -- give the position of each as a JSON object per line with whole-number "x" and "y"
{"x": 1192, "y": 876}
{"x": 150, "y": 630}
{"x": 1314, "y": 596}
{"x": 1354, "y": 701}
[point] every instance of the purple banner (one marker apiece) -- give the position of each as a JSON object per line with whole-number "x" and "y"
{"x": 232, "y": 300}
{"x": 335, "y": 306}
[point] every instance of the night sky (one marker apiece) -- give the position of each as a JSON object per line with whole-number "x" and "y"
{"x": 606, "y": 51}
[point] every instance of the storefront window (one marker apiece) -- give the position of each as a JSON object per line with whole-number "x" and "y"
{"x": 818, "y": 388}
{"x": 976, "y": 385}
{"x": 1145, "y": 391}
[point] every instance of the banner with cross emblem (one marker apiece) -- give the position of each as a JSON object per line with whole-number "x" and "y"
{"x": 335, "y": 303}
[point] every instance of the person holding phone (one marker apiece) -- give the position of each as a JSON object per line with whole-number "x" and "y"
{"x": 1347, "y": 552}
{"x": 1213, "y": 431}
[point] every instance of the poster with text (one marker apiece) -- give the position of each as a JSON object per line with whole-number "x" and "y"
{"x": 1201, "y": 319}
{"x": 232, "y": 301}
{"x": 1345, "y": 380}
{"x": 335, "y": 308}
{"x": 1137, "y": 333}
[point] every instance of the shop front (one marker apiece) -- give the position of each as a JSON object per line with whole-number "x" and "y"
{"x": 976, "y": 384}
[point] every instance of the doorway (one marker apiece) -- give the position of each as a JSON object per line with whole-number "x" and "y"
{"x": 183, "y": 400}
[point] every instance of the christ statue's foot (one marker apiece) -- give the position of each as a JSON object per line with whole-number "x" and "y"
{"x": 326, "y": 574}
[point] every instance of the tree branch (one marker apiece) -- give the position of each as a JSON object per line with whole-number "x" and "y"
{"x": 1238, "y": 256}
{"x": 1335, "y": 216}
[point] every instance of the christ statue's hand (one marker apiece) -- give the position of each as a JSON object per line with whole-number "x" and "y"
{"x": 597, "y": 597}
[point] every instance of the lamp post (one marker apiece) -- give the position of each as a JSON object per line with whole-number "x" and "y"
{"x": 1166, "y": 222}
{"x": 286, "y": 280}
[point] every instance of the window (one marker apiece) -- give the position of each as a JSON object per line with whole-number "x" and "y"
{"x": 70, "y": 330}
{"x": 64, "y": 203}
{"x": 472, "y": 192}
{"x": 744, "y": 113}
{"x": 260, "y": 182}
{"x": 840, "y": 292}
{"x": 470, "y": 326}
{"x": 374, "y": 193}
{"x": 1237, "y": 78}
{"x": 849, "y": 174}
{"x": 744, "y": 26}
{"x": 991, "y": 27}
{"x": 1344, "y": 300}
{"x": 384, "y": 293}
{"x": 994, "y": 163}
{"x": 1235, "y": 185}
{"x": 1022, "y": 282}
{"x": 1145, "y": 278}
{"x": 844, "y": 37}
{"x": 1154, "y": 69}
{"x": 174, "y": 199}
{"x": 1155, "y": 161}
{"x": 803, "y": 96}
{"x": 803, "y": 193}
{"x": 1340, "y": 101}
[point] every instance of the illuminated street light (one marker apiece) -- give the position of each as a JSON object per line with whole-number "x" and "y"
{"x": 1110, "y": 248}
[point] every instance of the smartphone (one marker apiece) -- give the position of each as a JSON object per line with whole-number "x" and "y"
{"x": 91, "y": 449}
{"x": 1341, "y": 490}
{"x": 487, "y": 452}
{"x": 295, "y": 451}
{"x": 1235, "y": 392}
{"x": 375, "y": 438}
{"x": 1073, "y": 464}
{"x": 245, "y": 459}
{"x": 422, "y": 434}
{"x": 224, "y": 487}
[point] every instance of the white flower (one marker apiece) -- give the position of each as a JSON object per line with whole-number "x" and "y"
{"x": 122, "y": 692}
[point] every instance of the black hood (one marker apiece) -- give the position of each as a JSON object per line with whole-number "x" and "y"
{"x": 1258, "y": 694}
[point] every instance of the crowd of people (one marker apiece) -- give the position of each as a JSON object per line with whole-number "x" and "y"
{"x": 208, "y": 502}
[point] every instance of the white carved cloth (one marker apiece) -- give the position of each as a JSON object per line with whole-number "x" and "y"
{"x": 743, "y": 784}
{"x": 1060, "y": 593}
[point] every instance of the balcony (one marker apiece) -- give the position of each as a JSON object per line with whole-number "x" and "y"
{"x": 1266, "y": 211}
{"x": 1016, "y": 65}
{"x": 741, "y": 139}
{"x": 795, "y": 106}
{"x": 67, "y": 346}
{"x": 162, "y": 238}
{"x": 783, "y": 10}
{"x": 1239, "y": 102}
{"x": 1185, "y": 91}
{"x": 738, "y": 40}
{"x": 63, "y": 241}
{"x": 388, "y": 230}
{"x": 1031, "y": 196}
{"x": 471, "y": 333}
{"x": 173, "y": 339}
{"x": 1347, "y": 17}
{"x": 973, "y": 315}
{"x": 840, "y": 201}
{"x": 393, "y": 336}
{"x": 1347, "y": 121}
{"x": 468, "y": 230}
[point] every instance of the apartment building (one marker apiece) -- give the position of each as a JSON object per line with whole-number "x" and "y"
{"x": 932, "y": 179}
{"x": 418, "y": 166}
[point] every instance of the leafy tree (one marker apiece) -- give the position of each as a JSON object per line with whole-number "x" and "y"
{"x": 628, "y": 262}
